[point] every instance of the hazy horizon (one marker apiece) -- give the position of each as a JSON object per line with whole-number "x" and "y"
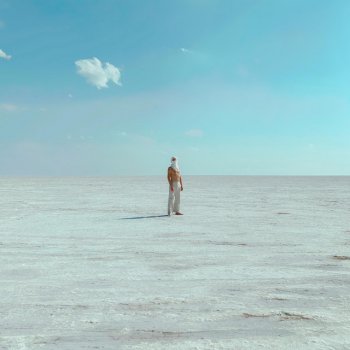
{"x": 165, "y": 177}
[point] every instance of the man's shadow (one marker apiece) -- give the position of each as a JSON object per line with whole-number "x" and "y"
{"x": 143, "y": 217}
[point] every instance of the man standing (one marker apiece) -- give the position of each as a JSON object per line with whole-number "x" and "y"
{"x": 175, "y": 187}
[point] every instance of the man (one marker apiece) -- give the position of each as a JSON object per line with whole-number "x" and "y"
{"x": 175, "y": 186}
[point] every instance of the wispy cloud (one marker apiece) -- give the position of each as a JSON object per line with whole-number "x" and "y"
{"x": 197, "y": 57}
{"x": 2, "y": 24}
{"x": 8, "y": 107}
{"x": 184, "y": 50}
{"x": 194, "y": 133}
{"x": 98, "y": 73}
{"x": 4, "y": 55}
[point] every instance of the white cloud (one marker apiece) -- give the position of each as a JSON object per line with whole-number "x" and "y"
{"x": 98, "y": 73}
{"x": 184, "y": 50}
{"x": 4, "y": 55}
{"x": 2, "y": 24}
{"x": 194, "y": 133}
{"x": 70, "y": 95}
{"x": 8, "y": 107}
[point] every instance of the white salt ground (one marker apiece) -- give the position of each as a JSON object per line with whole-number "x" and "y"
{"x": 255, "y": 263}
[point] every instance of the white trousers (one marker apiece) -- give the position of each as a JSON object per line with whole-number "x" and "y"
{"x": 174, "y": 198}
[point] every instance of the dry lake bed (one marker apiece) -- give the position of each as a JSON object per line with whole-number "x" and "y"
{"x": 255, "y": 263}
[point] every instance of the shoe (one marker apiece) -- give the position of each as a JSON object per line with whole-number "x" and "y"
{"x": 178, "y": 213}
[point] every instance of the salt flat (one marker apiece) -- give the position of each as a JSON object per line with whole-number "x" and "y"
{"x": 255, "y": 263}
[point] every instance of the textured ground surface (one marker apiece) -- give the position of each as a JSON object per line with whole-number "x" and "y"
{"x": 255, "y": 263}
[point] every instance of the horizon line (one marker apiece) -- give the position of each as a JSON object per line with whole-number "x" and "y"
{"x": 154, "y": 175}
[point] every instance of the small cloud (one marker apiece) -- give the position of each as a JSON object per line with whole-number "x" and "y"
{"x": 8, "y": 107}
{"x": 2, "y": 24}
{"x": 123, "y": 133}
{"x": 4, "y": 55}
{"x": 182, "y": 49}
{"x": 70, "y": 96}
{"x": 194, "y": 133}
{"x": 98, "y": 73}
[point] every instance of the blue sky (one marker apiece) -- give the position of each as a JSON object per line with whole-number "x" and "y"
{"x": 242, "y": 87}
